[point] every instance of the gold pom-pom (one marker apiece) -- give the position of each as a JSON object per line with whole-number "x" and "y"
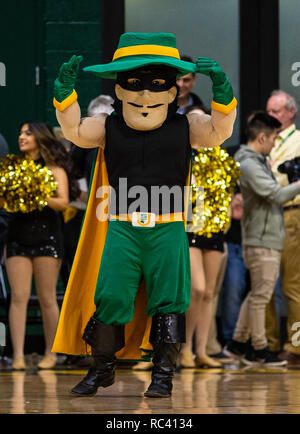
{"x": 24, "y": 185}
{"x": 217, "y": 173}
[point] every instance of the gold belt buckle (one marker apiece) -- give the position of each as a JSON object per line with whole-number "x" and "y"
{"x": 143, "y": 219}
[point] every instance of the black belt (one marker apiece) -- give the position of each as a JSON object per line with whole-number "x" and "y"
{"x": 286, "y": 208}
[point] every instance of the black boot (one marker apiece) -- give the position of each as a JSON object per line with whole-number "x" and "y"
{"x": 167, "y": 333}
{"x": 105, "y": 341}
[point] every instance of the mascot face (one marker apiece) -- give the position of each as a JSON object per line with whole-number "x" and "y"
{"x": 145, "y": 96}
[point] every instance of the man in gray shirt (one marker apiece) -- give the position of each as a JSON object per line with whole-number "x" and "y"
{"x": 262, "y": 237}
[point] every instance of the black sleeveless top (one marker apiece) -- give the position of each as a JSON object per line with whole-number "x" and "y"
{"x": 37, "y": 233}
{"x": 148, "y": 161}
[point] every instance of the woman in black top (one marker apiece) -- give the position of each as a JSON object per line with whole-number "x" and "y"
{"x": 35, "y": 244}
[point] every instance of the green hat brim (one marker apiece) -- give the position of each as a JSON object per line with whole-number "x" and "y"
{"x": 110, "y": 70}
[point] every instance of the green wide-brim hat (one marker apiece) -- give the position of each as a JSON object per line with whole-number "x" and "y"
{"x": 136, "y": 50}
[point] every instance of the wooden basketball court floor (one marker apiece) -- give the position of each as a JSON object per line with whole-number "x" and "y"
{"x": 230, "y": 390}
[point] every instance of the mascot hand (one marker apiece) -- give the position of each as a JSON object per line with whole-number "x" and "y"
{"x": 222, "y": 90}
{"x": 65, "y": 82}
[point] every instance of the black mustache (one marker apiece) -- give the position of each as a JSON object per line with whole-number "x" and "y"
{"x": 148, "y": 106}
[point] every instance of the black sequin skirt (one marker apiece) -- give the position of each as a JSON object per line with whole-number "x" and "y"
{"x": 38, "y": 233}
{"x": 215, "y": 242}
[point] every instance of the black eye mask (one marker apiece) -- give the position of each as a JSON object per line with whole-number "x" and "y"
{"x": 153, "y": 80}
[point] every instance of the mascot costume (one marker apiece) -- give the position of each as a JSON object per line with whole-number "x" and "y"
{"x": 129, "y": 287}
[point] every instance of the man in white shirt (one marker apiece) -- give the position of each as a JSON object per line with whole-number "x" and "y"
{"x": 287, "y": 146}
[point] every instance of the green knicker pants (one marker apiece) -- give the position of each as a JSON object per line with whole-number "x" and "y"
{"x": 159, "y": 254}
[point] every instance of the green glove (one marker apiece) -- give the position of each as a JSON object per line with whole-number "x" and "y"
{"x": 65, "y": 82}
{"x": 222, "y": 90}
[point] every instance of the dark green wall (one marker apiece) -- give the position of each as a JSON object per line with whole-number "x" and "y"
{"x": 19, "y": 51}
{"x": 39, "y": 35}
{"x": 71, "y": 28}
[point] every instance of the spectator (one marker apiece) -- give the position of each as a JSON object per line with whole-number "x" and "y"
{"x": 236, "y": 280}
{"x": 262, "y": 237}
{"x": 35, "y": 244}
{"x": 234, "y": 283}
{"x": 287, "y": 146}
{"x": 186, "y": 98}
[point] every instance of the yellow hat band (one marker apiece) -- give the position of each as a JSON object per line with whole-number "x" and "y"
{"x": 136, "y": 50}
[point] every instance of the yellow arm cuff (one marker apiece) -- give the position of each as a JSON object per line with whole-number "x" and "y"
{"x": 226, "y": 109}
{"x": 61, "y": 106}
